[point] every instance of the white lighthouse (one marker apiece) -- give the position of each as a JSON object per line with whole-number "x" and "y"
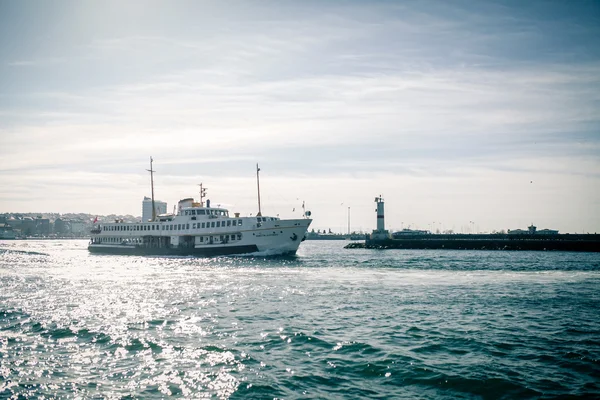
{"x": 380, "y": 233}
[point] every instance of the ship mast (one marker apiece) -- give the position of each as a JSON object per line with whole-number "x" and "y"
{"x": 258, "y": 186}
{"x": 202, "y": 194}
{"x": 152, "y": 186}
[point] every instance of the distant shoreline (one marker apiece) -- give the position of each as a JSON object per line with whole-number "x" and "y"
{"x": 46, "y": 238}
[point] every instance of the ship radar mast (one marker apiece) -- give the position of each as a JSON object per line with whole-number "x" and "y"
{"x": 202, "y": 194}
{"x": 258, "y": 187}
{"x": 152, "y": 187}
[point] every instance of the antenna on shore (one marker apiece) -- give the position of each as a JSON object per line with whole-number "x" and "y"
{"x": 348, "y": 220}
{"x": 152, "y": 186}
{"x": 258, "y": 186}
{"x": 202, "y": 194}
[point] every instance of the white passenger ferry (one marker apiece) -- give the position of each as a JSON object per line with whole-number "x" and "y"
{"x": 201, "y": 230}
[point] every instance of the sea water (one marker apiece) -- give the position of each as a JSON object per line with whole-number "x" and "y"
{"x": 328, "y": 323}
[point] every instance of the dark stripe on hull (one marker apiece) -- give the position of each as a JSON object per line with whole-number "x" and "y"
{"x": 201, "y": 252}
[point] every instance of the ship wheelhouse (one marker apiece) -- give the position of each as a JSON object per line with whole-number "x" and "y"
{"x": 201, "y": 211}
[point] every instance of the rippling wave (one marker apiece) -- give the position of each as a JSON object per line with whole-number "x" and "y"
{"x": 4, "y": 252}
{"x": 327, "y": 323}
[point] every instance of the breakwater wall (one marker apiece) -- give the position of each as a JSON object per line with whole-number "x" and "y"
{"x": 560, "y": 242}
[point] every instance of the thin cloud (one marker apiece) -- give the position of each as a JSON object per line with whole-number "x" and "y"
{"x": 330, "y": 98}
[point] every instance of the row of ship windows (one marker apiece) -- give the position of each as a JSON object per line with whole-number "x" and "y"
{"x": 222, "y": 238}
{"x": 171, "y": 227}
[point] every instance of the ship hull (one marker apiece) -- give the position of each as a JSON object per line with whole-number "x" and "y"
{"x": 270, "y": 237}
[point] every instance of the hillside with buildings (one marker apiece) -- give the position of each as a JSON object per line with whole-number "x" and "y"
{"x": 54, "y": 225}
{"x": 70, "y": 225}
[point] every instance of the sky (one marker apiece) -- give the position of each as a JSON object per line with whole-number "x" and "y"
{"x": 463, "y": 115}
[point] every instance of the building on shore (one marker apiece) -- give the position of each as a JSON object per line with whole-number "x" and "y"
{"x": 547, "y": 232}
{"x": 78, "y": 227}
{"x": 42, "y": 226}
{"x": 27, "y": 226}
{"x": 532, "y": 230}
{"x": 62, "y": 226}
{"x": 160, "y": 207}
{"x": 7, "y": 232}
